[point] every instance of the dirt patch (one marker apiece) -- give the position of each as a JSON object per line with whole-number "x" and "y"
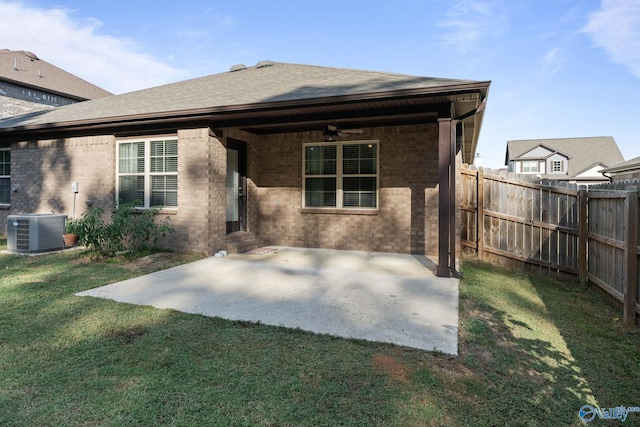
{"x": 390, "y": 366}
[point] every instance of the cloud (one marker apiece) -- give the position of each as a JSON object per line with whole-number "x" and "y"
{"x": 468, "y": 23}
{"x": 615, "y": 27}
{"x": 78, "y": 46}
{"x": 551, "y": 61}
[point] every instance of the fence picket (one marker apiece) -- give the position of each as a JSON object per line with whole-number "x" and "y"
{"x": 591, "y": 233}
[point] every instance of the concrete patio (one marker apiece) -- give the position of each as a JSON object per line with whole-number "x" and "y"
{"x": 391, "y": 298}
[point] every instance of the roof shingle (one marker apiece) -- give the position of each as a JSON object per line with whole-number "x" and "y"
{"x": 268, "y": 83}
{"x": 25, "y": 68}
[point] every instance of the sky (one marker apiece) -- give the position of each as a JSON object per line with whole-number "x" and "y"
{"x": 558, "y": 68}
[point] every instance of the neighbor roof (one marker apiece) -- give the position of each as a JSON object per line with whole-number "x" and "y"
{"x": 271, "y": 94}
{"x": 631, "y": 164}
{"x": 583, "y": 152}
{"x": 24, "y": 68}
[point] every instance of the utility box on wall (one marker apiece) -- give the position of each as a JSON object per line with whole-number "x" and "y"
{"x": 30, "y": 233}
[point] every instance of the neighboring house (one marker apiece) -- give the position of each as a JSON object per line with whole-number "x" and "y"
{"x": 27, "y": 84}
{"x": 625, "y": 171}
{"x": 575, "y": 160}
{"x": 294, "y": 155}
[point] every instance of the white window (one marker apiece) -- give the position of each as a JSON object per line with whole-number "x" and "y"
{"x": 530, "y": 166}
{"x": 148, "y": 172}
{"x": 341, "y": 175}
{"x": 5, "y": 176}
{"x": 557, "y": 166}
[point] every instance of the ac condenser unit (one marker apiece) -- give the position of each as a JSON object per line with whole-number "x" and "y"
{"x": 29, "y": 233}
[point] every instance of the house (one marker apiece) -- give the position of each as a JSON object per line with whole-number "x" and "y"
{"x": 625, "y": 171}
{"x": 28, "y": 83}
{"x": 574, "y": 160}
{"x": 289, "y": 154}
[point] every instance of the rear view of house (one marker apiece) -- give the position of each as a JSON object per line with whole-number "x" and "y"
{"x": 287, "y": 154}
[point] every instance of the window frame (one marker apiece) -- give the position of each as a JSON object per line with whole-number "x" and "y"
{"x": 7, "y": 177}
{"x": 340, "y": 176}
{"x": 560, "y": 164}
{"x": 529, "y": 163}
{"x": 147, "y": 173}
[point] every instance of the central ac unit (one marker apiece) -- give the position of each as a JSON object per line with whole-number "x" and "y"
{"x": 29, "y": 233}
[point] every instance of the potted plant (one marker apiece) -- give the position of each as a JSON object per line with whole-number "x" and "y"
{"x": 72, "y": 231}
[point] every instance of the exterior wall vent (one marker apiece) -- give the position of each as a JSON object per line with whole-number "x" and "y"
{"x": 30, "y": 233}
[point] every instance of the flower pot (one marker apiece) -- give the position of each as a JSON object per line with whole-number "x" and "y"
{"x": 70, "y": 239}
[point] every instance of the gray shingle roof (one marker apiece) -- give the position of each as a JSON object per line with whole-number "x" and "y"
{"x": 584, "y": 152}
{"x": 630, "y": 164}
{"x": 25, "y": 68}
{"x": 249, "y": 86}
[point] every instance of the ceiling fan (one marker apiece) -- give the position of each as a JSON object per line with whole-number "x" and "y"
{"x": 332, "y": 132}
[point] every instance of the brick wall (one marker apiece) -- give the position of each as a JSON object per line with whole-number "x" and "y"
{"x": 407, "y": 218}
{"x": 10, "y": 107}
{"x": 406, "y": 221}
{"x": 199, "y": 221}
{"x": 16, "y": 100}
{"x": 42, "y": 173}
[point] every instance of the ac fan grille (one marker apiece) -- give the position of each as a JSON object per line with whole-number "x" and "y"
{"x": 22, "y": 235}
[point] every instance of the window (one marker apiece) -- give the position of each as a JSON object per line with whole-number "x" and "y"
{"x": 341, "y": 175}
{"x": 530, "y": 166}
{"x": 148, "y": 172}
{"x": 557, "y": 166}
{"x": 5, "y": 176}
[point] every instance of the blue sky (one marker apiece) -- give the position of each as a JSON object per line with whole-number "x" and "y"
{"x": 559, "y": 68}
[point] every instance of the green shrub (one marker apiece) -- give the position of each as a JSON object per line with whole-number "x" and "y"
{"x": 73, "y": 226}
{"x": 129, "y": 230}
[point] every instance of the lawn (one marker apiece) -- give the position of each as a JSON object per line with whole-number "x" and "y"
{"x": 533, "y": 350}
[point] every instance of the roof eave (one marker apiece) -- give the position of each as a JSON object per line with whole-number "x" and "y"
{"x": 251, "y": 109}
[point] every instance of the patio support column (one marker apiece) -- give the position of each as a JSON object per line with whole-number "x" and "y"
{"x": 444, "y": 193}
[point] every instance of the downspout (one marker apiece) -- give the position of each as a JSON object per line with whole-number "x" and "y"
{"x": 450, "y": 192}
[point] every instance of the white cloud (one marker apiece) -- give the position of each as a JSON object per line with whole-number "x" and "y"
{"x": 551, "y": 61}
{"x": 615, "y": 27}
{"x": 77, "y": 46}
{"x": 467, "y": 23}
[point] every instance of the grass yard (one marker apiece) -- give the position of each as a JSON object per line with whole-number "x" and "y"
{"x": 533, "y": 350}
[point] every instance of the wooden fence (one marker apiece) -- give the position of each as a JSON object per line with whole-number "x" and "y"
{"x": 592, "y": 234}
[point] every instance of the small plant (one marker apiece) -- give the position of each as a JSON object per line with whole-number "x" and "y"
{"x": 128, "y": 231}
{"x": 73, "y": 226}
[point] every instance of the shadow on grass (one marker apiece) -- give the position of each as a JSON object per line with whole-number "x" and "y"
{"x": 606, "y": 352}
{"x": 532, "y": 351}
{"x": 81, "y": 361}
{"x": 542, "y": 349}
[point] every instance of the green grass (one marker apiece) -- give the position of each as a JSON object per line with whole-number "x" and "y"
{"x": 533, "y": 351}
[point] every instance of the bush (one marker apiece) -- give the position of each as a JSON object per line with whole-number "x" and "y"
{"x": 128, "y": 231}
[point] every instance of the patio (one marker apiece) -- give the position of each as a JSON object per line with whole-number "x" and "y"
{"x": 392, "y": 298}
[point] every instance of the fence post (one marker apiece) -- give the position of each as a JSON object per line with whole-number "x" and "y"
{"x": 631, "y": 259}
{"x": 480, "y": 213}
{"x": 583, "y": 235}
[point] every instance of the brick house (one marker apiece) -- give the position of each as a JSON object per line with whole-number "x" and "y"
{"x": 287, "y": 154}
{"x": 28, "y": 84}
